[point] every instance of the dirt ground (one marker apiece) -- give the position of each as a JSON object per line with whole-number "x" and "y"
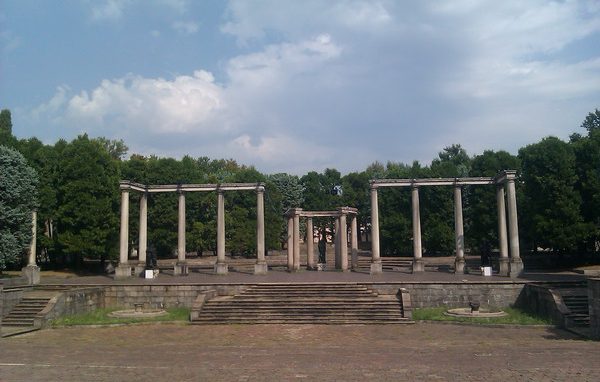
{"x": 425, "y": 351}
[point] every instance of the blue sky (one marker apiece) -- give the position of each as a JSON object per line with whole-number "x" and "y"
{"x": 294, "y": 86}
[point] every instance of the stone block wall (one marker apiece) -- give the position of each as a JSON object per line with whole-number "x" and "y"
{"x": 161, "y": 296}
{"x": 594, "y": 305}
{"x": 10, "y": 297}
{"x": 541, "y": 300}
{"x": 71, "y": 302}
{"x": 456, "y": 295}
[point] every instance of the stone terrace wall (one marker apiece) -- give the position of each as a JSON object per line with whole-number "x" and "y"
{"x": 9, "y": 298}
{"x": 161, "y": 296}
{"x": 75, "y": 301}
{"x": 594, "y": 304}
{"x": 456, "y": 295}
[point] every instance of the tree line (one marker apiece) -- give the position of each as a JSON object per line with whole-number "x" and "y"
{"x": 77, "y": 198}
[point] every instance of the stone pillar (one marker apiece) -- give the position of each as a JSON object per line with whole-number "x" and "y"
{"x": 290, "y": 243}
{"x": 516, "y": 264}
{"x": 310, "y": 247}
{"x": 418, "y": 265}
{"x": 376, "y": 266}
{"x": 336, "y": 245}
{"x": 260, "y": 268}
{"x": 181, "y": 266}
{"x": 459, "y": 262}
{"x": 354, "y": 241}
{"x": 343, "y": 240}
{"x": 143, "y": 235}
{"x": 296, "y": 241}
{"x": 123, "y": 270}
{"x": 221, "y": 267}
{"x": 32, "y": 272}
{"x": 502, "y": 241}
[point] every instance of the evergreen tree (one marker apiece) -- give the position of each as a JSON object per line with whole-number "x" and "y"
{"x": 18, "y": 199}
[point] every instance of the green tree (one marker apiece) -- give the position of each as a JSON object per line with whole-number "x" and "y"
{"x": 551, "y": 213}
{"x": 6, "y": 137}
{"x": 116, "y": 148}
{"x": 18, "y": 198}
{"x": 88, "y": 201}
{"x": 592, "y": 121}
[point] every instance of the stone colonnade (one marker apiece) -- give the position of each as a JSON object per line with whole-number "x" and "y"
{"x": 180, "y": 268}
{"x": 504, "y": 182}
{"x": 341, "y": 237}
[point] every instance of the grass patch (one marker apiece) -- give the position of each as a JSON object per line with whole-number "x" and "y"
{"x": 101, "y": 317}
{"x": 515, "y": 317}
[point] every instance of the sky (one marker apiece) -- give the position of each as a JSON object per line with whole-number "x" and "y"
{"x": 296, "y": 86}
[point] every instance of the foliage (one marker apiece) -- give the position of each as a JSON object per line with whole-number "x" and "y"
{"x": 551, "y": 209}
{"x": 18, "y": 199}
{"x": 87, "y": 200}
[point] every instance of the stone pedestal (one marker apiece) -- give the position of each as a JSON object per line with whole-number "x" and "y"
{"x": 376, "y": 267}
{"x": 32, "y": 274}
{"x": 459, "y": 265}
{"x": 260, "y": 268}
{"x": 418, "y": 266}
{"x": 122, "y": 271}
{"x": 504, "y": 266}
{"x": 180, "y": 269}
{"x": 139, "y": 269}
{"x": 221, "y": 268}
{"x": 516, "y": 267}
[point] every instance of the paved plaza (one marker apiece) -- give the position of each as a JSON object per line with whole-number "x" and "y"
{"x": 178, "y": 352}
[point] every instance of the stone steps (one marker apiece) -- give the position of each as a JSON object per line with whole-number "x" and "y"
{"x": 303, "y": 304}
{"x": 23, "y": 314}
{"x": 575, "y": 297}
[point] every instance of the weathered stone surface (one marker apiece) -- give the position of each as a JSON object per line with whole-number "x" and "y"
{"x": 594, "y": 306}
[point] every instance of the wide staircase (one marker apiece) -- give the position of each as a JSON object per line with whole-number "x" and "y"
{"x": 303, "y": 304}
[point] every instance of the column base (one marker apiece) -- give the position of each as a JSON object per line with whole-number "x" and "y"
{"x": 376, "y": 267}
{"x": 459, "y": 265}
{"x": 504, "y": 266}
{"x": 260, "y": 268}
{"x": 516, "y": 267}
{"x": 221, "y": 268}
{"x": 122, "y": 271}
{"x": 418, "y": 266}
{"x": 180, "y": 269}
{"x": 139, "y": 269}
{"x": 32, "y": 274}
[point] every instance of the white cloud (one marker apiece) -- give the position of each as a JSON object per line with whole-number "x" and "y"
{"x": 185, "y": 27}
{"x": 109, "y": 9}
{"x": 149, "y": 105}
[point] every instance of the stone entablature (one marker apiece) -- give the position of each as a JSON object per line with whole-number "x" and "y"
{"x": 504, "y": 182}
{"x": 125, "y": 266}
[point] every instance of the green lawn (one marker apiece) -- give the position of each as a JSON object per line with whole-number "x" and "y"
{"x": 515, "y": 317}
{"x": 100, "y": 317}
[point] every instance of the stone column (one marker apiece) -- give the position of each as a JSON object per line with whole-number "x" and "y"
{"x": 502, "y": 241}
{"x": 181, "y": 266}
{"x": 32, "y": 272}
{"x": 459, "y": 262}
{"x": 290, "y": 243}
{"x": 310, "y": 247}
{"x": 296, "y": 241}
{"x": 343, "y": 240}
{"x": 354, "y": 241}
{"x": 376, "y": 266}
{"x": 123, "y": 270}
{"x": 418, "y": 265}
{"x": 336, "y": 244}
{"x": 260, "y": 268}
{"x": 143, "y": 235}
{"x": 221, "y": 267}
{"x": 516, "y": 264}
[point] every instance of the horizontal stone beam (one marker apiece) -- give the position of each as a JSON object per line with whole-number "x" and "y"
{"x": 431, "y": 182}
{"x": 127, "y": 185}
